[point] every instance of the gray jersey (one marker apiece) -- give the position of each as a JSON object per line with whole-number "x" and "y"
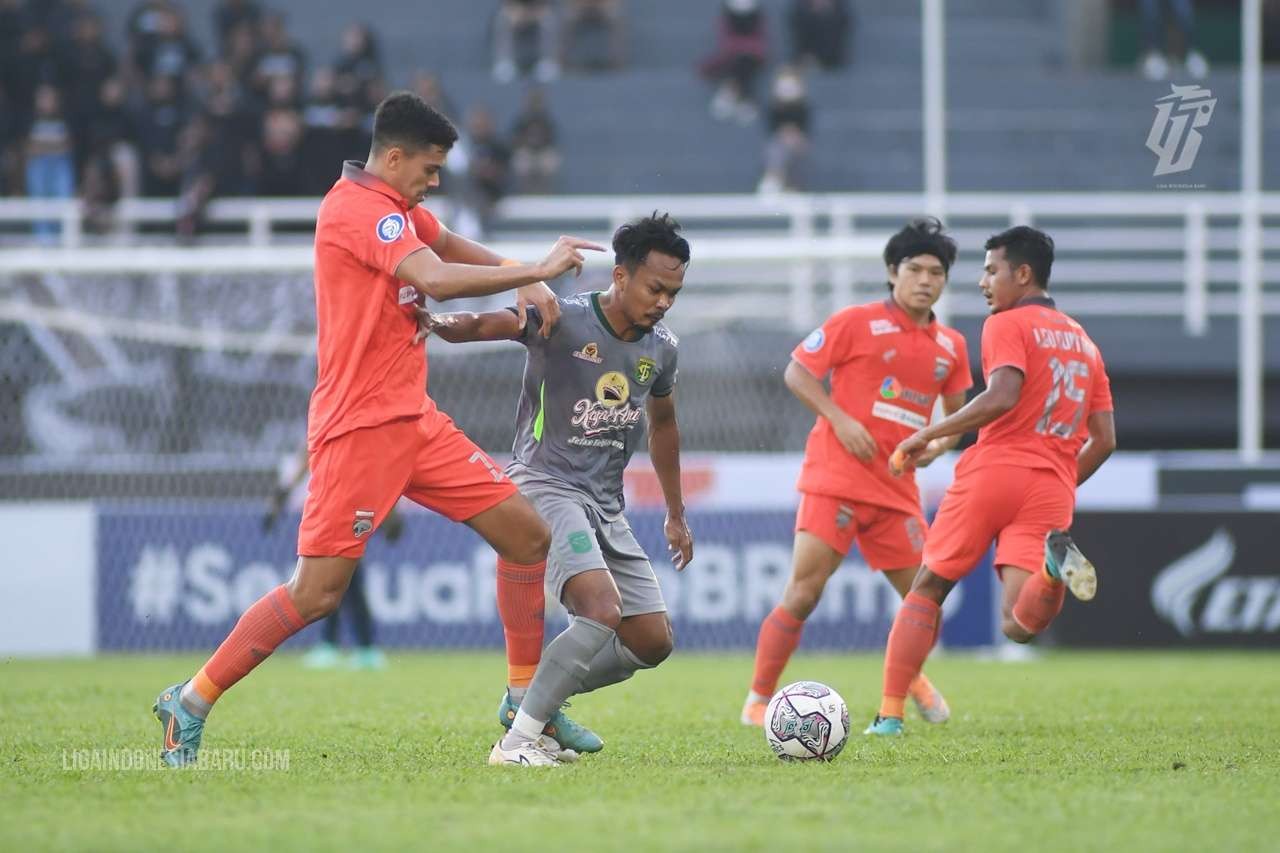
{"x": 581, "y": 412}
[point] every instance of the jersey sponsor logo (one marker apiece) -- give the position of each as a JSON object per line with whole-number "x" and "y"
{"x": 941, "y": 367}
{"x": 892, "y": 389}
{"x": 613, "y": 390}
{"x": 814, "y": 342}
{"x": 898, "y": 415}
{"x": 946, "y": 343}
{"x": 590, "y": 352}
{"x": 407, "y": 294}
{"x": 881, "y": 326}
{"x": 611, "y": 409}
{"x": 363, "y": 524}
{"x": 644, "y": 370}
{"x": 390, "y": 227}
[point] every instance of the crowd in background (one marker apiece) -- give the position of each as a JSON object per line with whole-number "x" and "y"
{"x": 252, "y": 115}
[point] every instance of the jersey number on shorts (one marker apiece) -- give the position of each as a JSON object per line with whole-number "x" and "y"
{"x": 1064, "y": 386}
{"x": 488, "y": 463}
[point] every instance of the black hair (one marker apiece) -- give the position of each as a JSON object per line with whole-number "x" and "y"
{"x": 1023, "y": 244}
{"x": 633, "y": 242}
{"x": 404, "y": 120}
{"x": 924, "y": 236}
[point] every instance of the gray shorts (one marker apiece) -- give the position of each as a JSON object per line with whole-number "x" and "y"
{"x": 583, "y": 538}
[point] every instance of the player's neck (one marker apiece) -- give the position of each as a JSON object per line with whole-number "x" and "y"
{"x": 612, "y": 314}
{"x": 919, "y": 318}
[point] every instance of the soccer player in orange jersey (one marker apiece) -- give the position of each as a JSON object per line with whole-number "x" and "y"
{"x": 373, "y": 433}
{"x": 888, "y": 361}
{"x": 1044, "y": 426}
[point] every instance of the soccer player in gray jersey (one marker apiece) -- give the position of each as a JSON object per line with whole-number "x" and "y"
{"x": 608, "y": 361}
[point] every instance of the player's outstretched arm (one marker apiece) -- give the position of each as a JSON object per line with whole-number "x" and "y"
{"x": 809, "y": 390}
{"x": 1004, "y": 387}
{"x": 951, "y": 403}
{"x": 664, "y": 453}
{"x": 442, "y": 280}
{"x": 463, "y": 326}
{"x": 1101, "y": 444}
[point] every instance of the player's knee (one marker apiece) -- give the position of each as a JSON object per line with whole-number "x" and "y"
{"x": 316, "y": 604}
{"x": 605, "y": 609}
{"x": 533, "y": 546}
{"x": 801, "y": 597}
{"x": 656, "y": 645}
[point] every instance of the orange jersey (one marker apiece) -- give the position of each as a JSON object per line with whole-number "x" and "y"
{"x": 1064, "y": 382}
{"x": 886, "y": 373}
{"x": 369, "y": 371}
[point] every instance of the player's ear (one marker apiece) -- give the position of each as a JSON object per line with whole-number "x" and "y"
{"x": 620, "y": 276}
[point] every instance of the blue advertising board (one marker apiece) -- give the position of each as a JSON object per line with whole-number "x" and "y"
{"x": 178, "y": 577}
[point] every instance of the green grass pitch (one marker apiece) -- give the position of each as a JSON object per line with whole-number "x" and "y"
{"x": 1118, "y": 751}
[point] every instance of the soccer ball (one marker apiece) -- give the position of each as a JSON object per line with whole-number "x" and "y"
{"x": 806, "y": 720}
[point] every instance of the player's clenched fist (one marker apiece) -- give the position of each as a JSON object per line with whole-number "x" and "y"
{"x": 566, "y": 255}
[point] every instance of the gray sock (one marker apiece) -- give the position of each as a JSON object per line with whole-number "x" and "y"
{"x": 565, "y": 664}
{"x": 613, "y": 663}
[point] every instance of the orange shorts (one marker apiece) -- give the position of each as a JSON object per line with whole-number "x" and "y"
{"x": 357, "y": 478}
{"x": 1015, "y": 506}
{"x": 887, "y": 538}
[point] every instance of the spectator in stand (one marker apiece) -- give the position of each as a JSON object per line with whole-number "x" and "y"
{"x": 427, "y": 86}
{"x": 162, "y": 119}
{"x": 99, "y": 192}
{"x": 820, "y": 33}
{"x": 241, "y": 53}
{"x": 282, "y": 157}
{"x": 524, "y": 41}
{"x": 229, "y": 15}
{"x": 594, "y": 35}
{"x": 88, "y": 62}
{"x": 36, "y": 63}
{"x": 280, "y": 56}
{"x": 488, "y": 168}
{"x": 360, "y": 54}
{"x": 50, "y": 164}
{"x": 535, "y": 157}
{"x": 327, "y": 125}
{"x": 163, "y": 48}
{"x": 787, "y": 151}
{"x": 741, "y": 49}
{"x": 112, "y": 134}
{"x": 234, "y": 124}
{"x": 1154, "y": 35}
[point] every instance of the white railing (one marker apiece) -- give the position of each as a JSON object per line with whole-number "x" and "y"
{"x": 1152, "y": 254}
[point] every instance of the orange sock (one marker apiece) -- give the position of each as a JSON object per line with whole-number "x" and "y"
{"x": 914, "y": 631}
{"x": 1039, "y": 602}
{"x": 267, "y": 623}
{"x": 779, "y": 637}
{"x": 520, "y": 606}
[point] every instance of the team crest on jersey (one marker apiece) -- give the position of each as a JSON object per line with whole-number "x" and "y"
{"x": 889, "y": 355}
{"x": 814, "y": 342}
{"x": 363, "y": 524}
{"x": 390, "y": 227}
{"x": 644, "y": 370}
{"x": 613, "y": 390}
{"x": 881, "y": 326}
{"x": 590, "y": 352}
{"x": 941, "y": 367}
